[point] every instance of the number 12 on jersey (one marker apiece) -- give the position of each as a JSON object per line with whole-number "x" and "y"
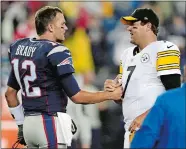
{"x": 131, "y": 69}
{"x": 30, "y": 66}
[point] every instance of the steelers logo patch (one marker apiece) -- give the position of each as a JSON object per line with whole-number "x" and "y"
{"x": 145, "y": 58}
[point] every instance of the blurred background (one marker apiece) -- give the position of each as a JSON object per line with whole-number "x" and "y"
{"x": 96, "y": 39}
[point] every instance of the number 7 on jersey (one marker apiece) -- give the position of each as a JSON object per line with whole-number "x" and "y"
{"x": 131, "y": 69}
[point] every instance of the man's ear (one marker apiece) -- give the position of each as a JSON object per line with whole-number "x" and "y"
{"x": 149, "y": 25}
{"x": 50, "y": 28}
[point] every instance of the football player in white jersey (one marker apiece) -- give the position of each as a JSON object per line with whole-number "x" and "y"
{"x": 148, "y": 69}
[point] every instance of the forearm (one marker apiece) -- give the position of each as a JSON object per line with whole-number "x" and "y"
{"x": 148, "y": 134}
{"x": 84, "y": 97}
{"x": 12, "y": 99}
{"x": 147, "y": 112}
{"x": 15, "y": 108}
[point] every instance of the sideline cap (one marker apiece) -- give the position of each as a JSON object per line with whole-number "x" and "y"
{"x": 141, "y": 14}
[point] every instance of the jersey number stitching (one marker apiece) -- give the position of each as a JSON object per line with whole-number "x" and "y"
{"x": 131, "y": 69}
{"x": 28, "y": 65}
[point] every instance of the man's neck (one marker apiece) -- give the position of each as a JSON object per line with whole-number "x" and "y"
{"x": 47, "y": 36}
{"x": 146, "y": 42}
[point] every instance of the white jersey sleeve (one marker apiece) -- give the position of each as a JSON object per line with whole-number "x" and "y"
{"x": 168, "y": 59}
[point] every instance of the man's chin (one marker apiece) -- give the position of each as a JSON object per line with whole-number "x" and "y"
{"x": 132, "y": 42}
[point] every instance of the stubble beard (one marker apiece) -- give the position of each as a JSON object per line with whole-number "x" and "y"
{"x": 133, "y": 42}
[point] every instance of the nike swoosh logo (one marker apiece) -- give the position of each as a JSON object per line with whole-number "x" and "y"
{"x": 170, "y": 46}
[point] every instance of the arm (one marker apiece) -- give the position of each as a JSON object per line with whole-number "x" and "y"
{"x": 16, "y": 111}
{"x": 168, "y": 65}
{"x": 13, "y": 88}
{"x": 77, "y": 95}
{"x": 61, "y": 59}
{"x": 137, "y": 122}
{"x": 84, "y": 97}
{"x": 11, "y": 97}
{"x": 171, "y": 81}
{"x": 15, "y": 107}
{"x": 148, "y": 134}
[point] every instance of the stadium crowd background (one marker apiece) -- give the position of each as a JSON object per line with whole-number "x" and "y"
{"x": 96, "y": 39}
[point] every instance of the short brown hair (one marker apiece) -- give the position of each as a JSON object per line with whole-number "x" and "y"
{"x": 44, "y": 16}
{"x": 153, "y": 27}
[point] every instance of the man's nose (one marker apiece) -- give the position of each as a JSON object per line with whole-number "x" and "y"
{"x": 66, "y": 28}
{"x": 129, "y": 28}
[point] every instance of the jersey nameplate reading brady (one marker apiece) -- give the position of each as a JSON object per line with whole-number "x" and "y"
{"x": 25, "y": 50}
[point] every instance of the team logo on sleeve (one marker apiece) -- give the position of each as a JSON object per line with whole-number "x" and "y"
{"x": 145, "y": 58}
{"x": 67, "y": 61}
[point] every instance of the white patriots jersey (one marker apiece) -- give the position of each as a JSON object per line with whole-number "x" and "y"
{"x": 141, "y": 76}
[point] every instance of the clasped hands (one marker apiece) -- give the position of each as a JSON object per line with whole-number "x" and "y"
{"x": 113, "y": 86}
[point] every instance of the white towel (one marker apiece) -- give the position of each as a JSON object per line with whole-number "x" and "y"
{"x": 64, "y": 132}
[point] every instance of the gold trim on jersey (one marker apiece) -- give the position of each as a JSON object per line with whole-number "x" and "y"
{"x": 120, "y": 68}
{"x": 169, "y": 52}
{"x": 168, "y": 68}
{"x": 168, "y": 60}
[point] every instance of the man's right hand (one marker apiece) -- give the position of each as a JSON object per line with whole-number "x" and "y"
{"x": 111, "y": 85}
{"x": 116, "y": 94}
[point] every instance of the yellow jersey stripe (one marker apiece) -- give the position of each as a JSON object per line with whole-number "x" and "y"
{"x": 120, "y": 68}
{"x": 168, "y": 68}
{"x": 168, "y": 60}
{"x": 169, "y": 52}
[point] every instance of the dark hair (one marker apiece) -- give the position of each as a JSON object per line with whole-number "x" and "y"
{"x": 44, "y": 16}
{"x": 153, "y": 27}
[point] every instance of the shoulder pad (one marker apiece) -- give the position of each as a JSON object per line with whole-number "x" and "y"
{"x": 167, "y": 45}
{"x": 59, "y": 48}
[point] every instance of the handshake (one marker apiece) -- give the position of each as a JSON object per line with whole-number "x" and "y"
{"x": 114, "y": 86}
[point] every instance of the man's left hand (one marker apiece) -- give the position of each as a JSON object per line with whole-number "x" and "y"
{"x": 136, "y": 124}
{"x": 20, "y": 136}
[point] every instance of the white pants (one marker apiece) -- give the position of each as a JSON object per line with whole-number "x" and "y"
{"x": 43, "y": 131}
{"x": 126, "y": 140}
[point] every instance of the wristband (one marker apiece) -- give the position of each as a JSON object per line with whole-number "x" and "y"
{"x": 17, "y": 114}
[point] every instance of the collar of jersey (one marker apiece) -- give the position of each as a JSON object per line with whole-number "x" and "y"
{"x": 136, "y": 51}
{"x": 34, "y": 39}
